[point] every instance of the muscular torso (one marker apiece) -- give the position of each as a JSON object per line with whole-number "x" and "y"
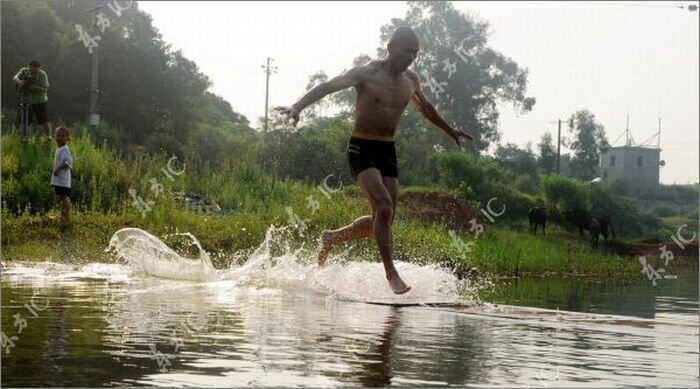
{"x": 381, "y": 99}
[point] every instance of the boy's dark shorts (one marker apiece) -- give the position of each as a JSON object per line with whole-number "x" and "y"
{"x": 364, "y": 154}
{"x": 62, "y": 190}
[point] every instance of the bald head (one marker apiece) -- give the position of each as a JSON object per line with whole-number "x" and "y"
{"x": 403, "y": 34}
{"x": 402, "y": 48}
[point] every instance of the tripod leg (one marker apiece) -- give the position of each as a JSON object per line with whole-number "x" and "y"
{"x": 25, "y": 122}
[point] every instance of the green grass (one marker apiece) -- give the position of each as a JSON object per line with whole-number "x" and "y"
{"x": 497, "y": 251}
{"x": 506, "y": 252}
{"x": 254, "y": 200}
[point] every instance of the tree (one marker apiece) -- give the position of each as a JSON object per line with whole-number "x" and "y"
{"x": 459, "y": 73}
{"x": 346, "y": 98}
{"x": 563, "y": 193}
{"x": 518, "y": 160}
{"x": 153, "y": 95}
{"x": 316, "y": 109}
{"x": 547, "y": 159}
{"x": 588, "y": 143}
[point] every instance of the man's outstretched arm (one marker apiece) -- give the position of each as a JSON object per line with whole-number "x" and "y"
{"x": 428, "y": 111}
{"x": 350, "y": 78}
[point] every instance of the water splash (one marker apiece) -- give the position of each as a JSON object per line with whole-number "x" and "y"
{"x": 148, "y": 255}
{"x": 274, "y": 264}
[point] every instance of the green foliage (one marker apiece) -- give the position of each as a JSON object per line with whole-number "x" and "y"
{"x": 588, "y": 143}
{"x": 517, "y": 203}
{"x": 677, "y": 194}
{"x": 155, "y": 105}
{"x": 562, "y": 193}
{"x": 454, "y": 168}
{"x": 547, "y": 160}
{"x": 662, "y": 211}
{"x": 310, "y": 153}
{"x": 469, "y": 96}
{"x": 151, "y": 95}
{"x": 516, "y": 159}
{"x": 506, "y": 252}
{"x": 626, "y": 217}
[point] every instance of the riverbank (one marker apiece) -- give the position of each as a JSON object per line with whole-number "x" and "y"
{"x": 501, "y": 250}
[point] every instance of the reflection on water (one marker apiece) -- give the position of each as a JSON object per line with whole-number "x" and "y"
{"x": 111, "y": 329}
{"x": 673, "y": 298}
{"x": 160, "y": 319}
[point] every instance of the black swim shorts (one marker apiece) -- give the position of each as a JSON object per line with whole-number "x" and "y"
{"x": 364, "y": 154}
{"x": 62, "y": 191}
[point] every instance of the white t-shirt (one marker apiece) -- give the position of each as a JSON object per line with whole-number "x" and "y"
{"x": 63, "y": 177}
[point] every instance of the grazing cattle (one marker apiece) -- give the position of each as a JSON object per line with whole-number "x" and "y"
{"x": 594, "y": 229}
{"x": 582, "y": 220}
{"x": 537, "y": 216}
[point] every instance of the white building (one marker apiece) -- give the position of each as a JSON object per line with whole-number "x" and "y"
{"x": 637, "y": 166}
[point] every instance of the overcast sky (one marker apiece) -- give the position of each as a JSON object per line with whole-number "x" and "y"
{"x": 613, "y": 59}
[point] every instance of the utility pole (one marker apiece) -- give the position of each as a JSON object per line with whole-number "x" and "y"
{"x": 94, "y": 92}
{"x": 558, "y": 147}
{"x": 268, "y": 71}
{"x": 94, "y": 117}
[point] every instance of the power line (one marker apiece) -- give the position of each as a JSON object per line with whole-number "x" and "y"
{"x": 690, "y": 7}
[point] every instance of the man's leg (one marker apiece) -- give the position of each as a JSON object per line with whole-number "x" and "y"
{"x": 380, "y": 198}
{"x": 47, "y": 129}
{"x": 397, "y": 284}
{"x": 42, "y": 118}
{"x": 362, "y": 227}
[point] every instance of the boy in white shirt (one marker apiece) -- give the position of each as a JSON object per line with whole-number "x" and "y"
{"x": 62, "y": 165}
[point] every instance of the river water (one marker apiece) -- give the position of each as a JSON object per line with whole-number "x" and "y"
{"x": 155, "y": 318}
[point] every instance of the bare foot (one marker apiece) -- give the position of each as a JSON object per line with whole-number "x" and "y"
{"x": 397, "y": 285}
{"x": 325, "y": 247}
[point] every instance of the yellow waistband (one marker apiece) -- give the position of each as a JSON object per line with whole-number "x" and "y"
{"x": 364, "y": 135}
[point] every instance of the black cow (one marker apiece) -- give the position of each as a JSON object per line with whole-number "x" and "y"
{"x": 582, "y": 220}
{"x": 594, "y": 229}
{"x": 537, "y": 216}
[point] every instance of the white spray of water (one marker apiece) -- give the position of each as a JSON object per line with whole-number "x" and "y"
{"x": 352, "y": 280}
{"x": 148, "y": 255}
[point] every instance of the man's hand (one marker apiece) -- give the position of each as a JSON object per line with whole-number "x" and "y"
{"x": 56, "y": 171}
{"x": 458, "y": 134}
{"x": 291, "y": 112}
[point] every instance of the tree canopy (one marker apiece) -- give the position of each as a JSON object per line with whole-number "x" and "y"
{"x": 588, "y": 142}
{"x": 463, "y": 77}
{"x": 152, "y": 94}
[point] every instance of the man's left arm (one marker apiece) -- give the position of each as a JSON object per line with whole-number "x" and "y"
{"x": 43, "y": 83}
{"x": 429, "y": 112}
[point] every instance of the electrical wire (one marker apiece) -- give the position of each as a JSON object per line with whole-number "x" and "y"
{"x": 633, "y": 5}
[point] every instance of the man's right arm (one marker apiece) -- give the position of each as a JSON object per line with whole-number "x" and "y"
{"x": 352, "y": 77}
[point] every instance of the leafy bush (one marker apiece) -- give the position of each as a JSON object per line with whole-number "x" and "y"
{"x": 563, "y": 193}
{"x": 454, "y": 168}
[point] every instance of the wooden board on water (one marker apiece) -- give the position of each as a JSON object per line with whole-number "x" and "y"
{"x": 410, "y": 304}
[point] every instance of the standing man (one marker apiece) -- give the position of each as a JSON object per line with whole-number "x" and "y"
{"x": 384, "y": 88}
{"x": 34, "y": 83}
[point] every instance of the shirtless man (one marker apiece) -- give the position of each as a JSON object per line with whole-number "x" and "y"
{"x": 384, "y": 88}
